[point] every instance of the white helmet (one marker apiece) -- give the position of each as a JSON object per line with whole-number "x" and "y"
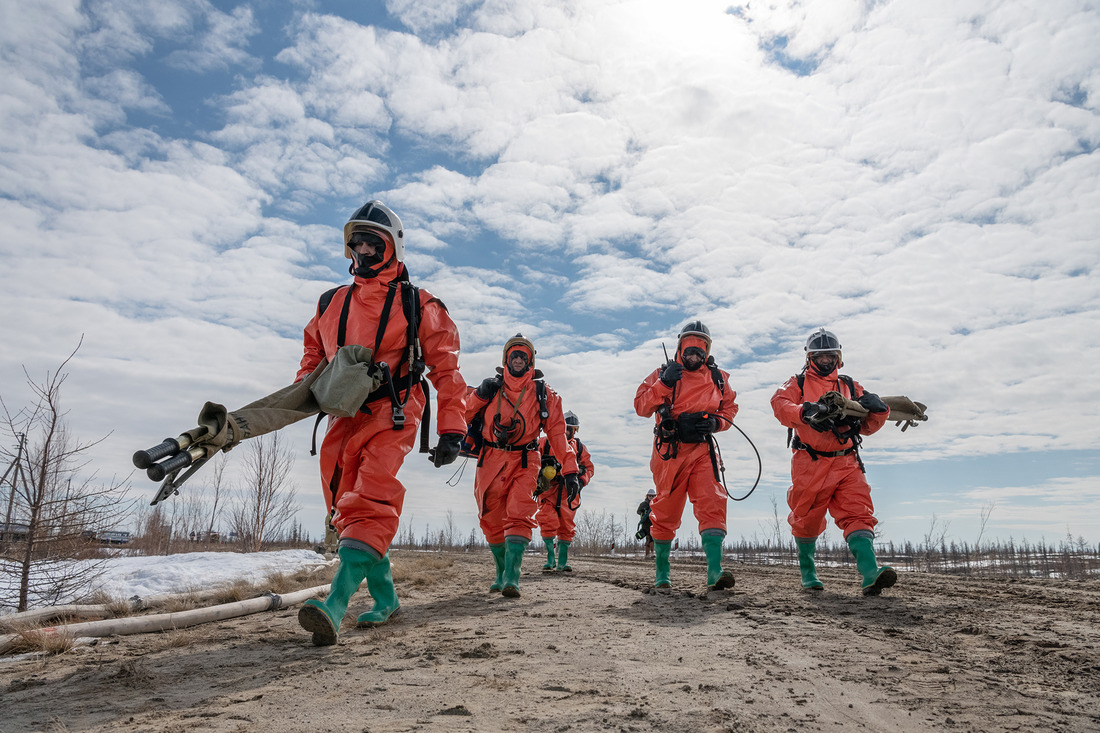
{"x": 652, "y": 492}
{"x": 572, "y": 421}
{"x": 376, "y": 216}
{"x": 822, "y": 340}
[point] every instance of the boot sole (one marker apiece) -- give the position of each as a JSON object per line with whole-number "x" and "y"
{"x": 372, "y": 624}
{"x": 885, "y": 579}
{"x": 315, "y": 620}
{"x": 725, "y": 580}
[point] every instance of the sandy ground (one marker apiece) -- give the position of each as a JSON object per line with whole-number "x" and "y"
{"x": 598, "y": 650}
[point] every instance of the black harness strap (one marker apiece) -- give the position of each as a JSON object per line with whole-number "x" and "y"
{"x": 795, "y": 443}
{"x": 414, "y": 357}
{"x": 479, "y": 420}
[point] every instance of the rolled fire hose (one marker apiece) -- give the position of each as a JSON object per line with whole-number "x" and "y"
{"x": 169, "y": 621}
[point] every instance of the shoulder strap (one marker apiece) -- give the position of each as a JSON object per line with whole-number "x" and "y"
{"x": 540, "y": 390}
{"x": 326, "y": 298}
{"x": 716, "y": 375}
{"x": 851, "y": 386}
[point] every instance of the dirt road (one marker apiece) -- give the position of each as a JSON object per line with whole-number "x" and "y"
{"x": 597, "y": 650}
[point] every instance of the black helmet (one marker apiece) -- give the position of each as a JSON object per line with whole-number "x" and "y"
{"x": 822, "y": 340}
{"x": 696, "y": 328}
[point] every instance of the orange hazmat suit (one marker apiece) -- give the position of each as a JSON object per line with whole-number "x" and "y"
{"x": 690, "y": 474}
{"x": 508, "y": 468}
{"x": 833, "y": 484}
{"x": 555, "y": 521}
{"x": 361, "y": 455}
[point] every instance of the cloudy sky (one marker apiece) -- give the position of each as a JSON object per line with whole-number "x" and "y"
{"x": 921, "y": 176}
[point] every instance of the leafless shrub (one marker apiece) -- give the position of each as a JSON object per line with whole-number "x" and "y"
{"x": 61, "y": 511}
{"x": 265, "y": 505}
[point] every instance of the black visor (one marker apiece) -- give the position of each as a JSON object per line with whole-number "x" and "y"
{"x": 366, "y": 237}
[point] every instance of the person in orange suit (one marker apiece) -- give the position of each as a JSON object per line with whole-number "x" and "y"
{"x": 509, "y": 411}
{"x": 361, "y": 455}
{"x": 826, "y": 471}
{"x": 557, "y": 510}
{"x": 691, "y": 399}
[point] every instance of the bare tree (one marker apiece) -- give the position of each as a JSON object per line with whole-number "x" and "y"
{"x": 153, "y": 531}
{"x": 265, "y": 504}
{"x": 450, "y": 530}
{"x": 217, "y": 484}
{"x": 64, "y": 512}
{"x": 987, "y": 512}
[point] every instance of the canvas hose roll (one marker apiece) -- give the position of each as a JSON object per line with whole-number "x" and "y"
{"x": 903, "y": 411}
{"x": 339, "y": 388}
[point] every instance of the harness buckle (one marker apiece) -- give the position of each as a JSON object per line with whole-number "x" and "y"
{"x": 398, "y": 417}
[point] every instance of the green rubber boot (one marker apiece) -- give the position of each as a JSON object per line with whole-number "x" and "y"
{"x": 498, "y": 560}
{"x": 875, "y": 578}
{"x": 514, "y": 548}
{"x": 549, "y": 564}
{"x": 380, "y": 587}
{"x": 806, "y": 547}
{"x": 661, "y": 550}
{"x": 563, "y": 557}
{"x": 717, "y": 578}
{"x": 323, "y": 618}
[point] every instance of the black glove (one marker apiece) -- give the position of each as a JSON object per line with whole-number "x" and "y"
{"x": 873, "y": 402}
{"x": 672, "y": 372}
{"x": 817, "y": 416}
{"x": 489, "y": 387}
{"x": 706, "y": 425}
{"x": 572, "y": 487}
{"x": 446, "y": 450}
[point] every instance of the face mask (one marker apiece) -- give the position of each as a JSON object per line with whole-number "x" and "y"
{"x": 365, "y": 265}
{"x": 693, "y": 358}
{"x": 824, "y": 363}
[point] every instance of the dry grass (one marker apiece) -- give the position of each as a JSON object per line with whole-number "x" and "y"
{"x": 173, "y": 639}
{"x": 182, "y": 602}
{"x": 421, "y": 570}
{"x": 114, "y": 606}
{"x": 41, "y": 640}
